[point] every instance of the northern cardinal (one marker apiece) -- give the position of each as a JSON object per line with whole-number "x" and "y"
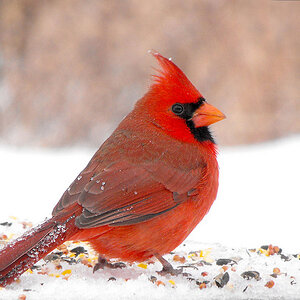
{"x": 145, "y": 189}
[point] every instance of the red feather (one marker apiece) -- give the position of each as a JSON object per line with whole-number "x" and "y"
{"x": 143, "y": 191}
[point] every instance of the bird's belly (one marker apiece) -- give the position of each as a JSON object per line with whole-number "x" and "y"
{"x": 159, "y": 235}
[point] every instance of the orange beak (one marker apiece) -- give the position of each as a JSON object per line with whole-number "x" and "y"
{"x": 206, "y": 115}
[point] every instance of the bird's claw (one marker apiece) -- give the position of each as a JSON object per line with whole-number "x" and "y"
{"x": 103, "y": 263}
{"x": 188, "y": 266}
{"x": 117, "y": 265}
{"x": 173, "y": 272}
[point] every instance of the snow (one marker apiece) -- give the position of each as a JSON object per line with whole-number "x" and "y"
{"x": 257, "y": 204}
{"x": 259, "y": 196}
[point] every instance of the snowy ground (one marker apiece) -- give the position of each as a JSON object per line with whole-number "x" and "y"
{"x": 258, "y": 204}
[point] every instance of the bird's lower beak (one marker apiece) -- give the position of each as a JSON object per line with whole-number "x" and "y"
{"x": 206, "y": 115}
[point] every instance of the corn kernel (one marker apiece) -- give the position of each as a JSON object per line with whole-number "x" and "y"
{"x": 202, "y": 285}
{"x": 65, "y": 272}
{"x": 276, "y": 271}
{"x": 159, "y": 282}
{"x": 263, "y": 251}
{"x": 142, "y": 265}
{"x": 269, "y": 284}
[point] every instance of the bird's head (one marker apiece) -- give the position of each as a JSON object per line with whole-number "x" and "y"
{"x": 176, "y": 106}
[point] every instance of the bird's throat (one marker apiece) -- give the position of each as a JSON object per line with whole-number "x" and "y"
{"x": 201, "y": 134}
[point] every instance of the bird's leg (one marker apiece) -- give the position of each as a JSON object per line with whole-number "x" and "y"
{"x": 167, "y": 267}
{"x": 103, "y": 263}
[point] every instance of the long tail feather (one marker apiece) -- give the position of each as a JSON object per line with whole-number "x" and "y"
{"x": 23, "y": 253}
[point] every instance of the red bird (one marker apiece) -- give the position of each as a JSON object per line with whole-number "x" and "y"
{"x": 144, "y": 190}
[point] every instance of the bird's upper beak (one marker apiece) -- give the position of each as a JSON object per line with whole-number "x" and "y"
{"x": 206, "y": 115}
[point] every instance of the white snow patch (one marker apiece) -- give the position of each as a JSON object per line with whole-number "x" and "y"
{"x": 257, "y": 204}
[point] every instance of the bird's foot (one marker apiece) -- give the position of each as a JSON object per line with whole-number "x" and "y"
{"x": 168, "y": 269}
{"x": 173, "y": 272}
{"x": 103, "y": 263}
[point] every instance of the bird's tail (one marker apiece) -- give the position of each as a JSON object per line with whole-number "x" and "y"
{"x": 23, "y": 253}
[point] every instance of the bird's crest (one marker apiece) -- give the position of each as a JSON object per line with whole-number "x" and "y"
{"x": 172, "y": 81}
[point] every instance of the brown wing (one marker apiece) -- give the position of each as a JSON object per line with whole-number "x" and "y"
{"x": 123, "y": 194}
{"x": 132, "y": 190}
{"x": 126, "y": 194}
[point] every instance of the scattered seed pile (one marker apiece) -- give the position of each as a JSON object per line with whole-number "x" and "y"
{"x": 207, "y": 270}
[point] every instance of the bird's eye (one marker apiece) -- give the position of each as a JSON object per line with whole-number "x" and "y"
{"x": 177, "y": 108}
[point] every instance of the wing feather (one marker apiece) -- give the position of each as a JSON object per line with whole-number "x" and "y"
{"x": 127, "y": 189}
